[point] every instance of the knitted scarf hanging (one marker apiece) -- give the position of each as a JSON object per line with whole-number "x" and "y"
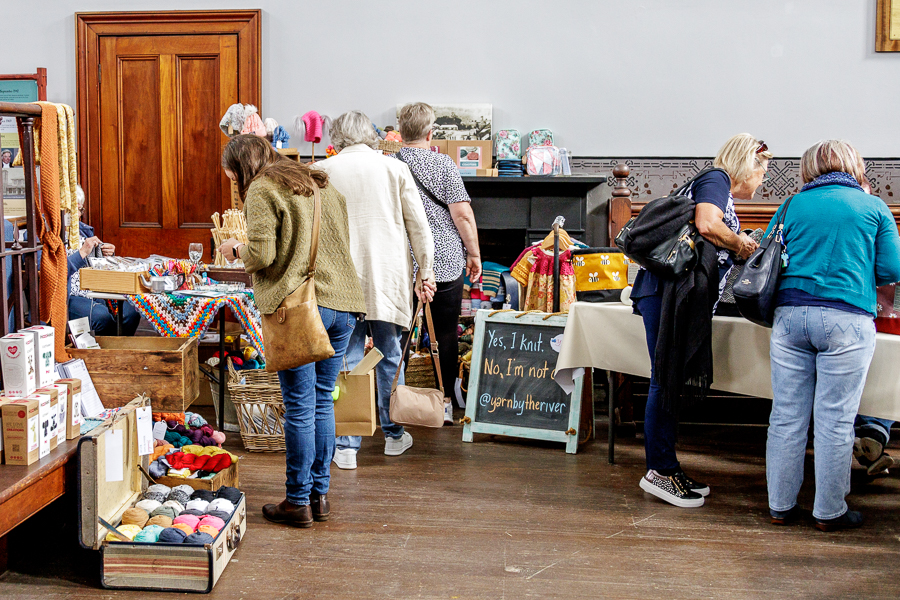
{"x": 54, "y": 268}
{"x": 68, "y": 171}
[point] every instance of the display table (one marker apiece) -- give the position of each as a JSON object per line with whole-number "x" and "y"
{"x": 117, "y": 299}
{"x": 608, "y": 336}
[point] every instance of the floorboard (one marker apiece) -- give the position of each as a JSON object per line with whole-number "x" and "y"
{"x": 504, "y": 518}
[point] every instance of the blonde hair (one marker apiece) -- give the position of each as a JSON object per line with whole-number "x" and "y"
{"x": 829, "y": 156}
{"x": 739, "y": 157}
{"x": 415, "y": 121}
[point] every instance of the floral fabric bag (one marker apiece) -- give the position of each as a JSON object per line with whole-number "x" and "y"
{"x": 543, "y": 160}
{"x": 540, "y": 137}
{"x": 508, "y": 144}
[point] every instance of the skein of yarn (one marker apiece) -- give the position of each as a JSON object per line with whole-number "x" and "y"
{"x": 176, "y": 506}
{"x": 184, "y": 489}
{"x": 148, "y": 505}
{"x": 232, "y": 494}
{"x": 150, "y": 534}
{"x": 135, "y": 516}
{"x": 179, "y": 496}
{"x": 128, "y": 531}
{"x": 190, "y": 520}
{"x": 212, "y": 531}
{"x": 219, "y": 513}
{"x": 172, "y": 535}
{"x": 214, "y": 522}
{"x": 207, "y": 495}
{"x": 199, "y": 538}
{"x": 165, "y": 511}
{"x": 158, "y": 488}
{"x": 193, "y": 511}
{"x": 187, "y": 529}
{"x": 161, "y": 520}
{"x": 221, "y": 504}
{"x": 197, "y": 504}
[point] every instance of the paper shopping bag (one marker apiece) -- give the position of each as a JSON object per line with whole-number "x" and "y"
{"x": 354, "y": 410}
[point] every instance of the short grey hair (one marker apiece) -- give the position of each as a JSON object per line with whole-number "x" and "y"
{"x": 352, "y": 128}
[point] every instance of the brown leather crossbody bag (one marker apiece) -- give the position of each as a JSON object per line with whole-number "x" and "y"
{"x": 419, "y": 406}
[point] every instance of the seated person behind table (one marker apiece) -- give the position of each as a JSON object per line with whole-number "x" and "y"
{"x": 103, "y": 322}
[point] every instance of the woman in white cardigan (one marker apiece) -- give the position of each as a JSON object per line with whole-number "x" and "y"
{"x": 385, "y": 211}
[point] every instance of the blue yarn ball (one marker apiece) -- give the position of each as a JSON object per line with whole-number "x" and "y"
{"x": 172, "y": 535}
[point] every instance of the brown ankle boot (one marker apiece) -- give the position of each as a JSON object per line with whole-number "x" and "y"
{"x": 289, "y": 514}
{"x": 321, "y": 508}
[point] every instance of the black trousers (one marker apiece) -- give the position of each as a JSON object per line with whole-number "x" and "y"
{"x": 445, "y": 310}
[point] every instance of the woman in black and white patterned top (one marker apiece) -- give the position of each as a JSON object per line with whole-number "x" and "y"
{"x": 456, "y": 253}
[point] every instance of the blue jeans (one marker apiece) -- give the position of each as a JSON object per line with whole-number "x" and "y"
{"x": 386, "y": 337}
{"x": 102, "y": 320}
{"x": 660, "y": 425}
{"x": 309, "y": 413}
{"x": 820, "y": 357}
{"x": 882, "y": 425}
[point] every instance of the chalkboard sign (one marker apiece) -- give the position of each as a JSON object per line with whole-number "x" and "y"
{"x": 511, "y": 386}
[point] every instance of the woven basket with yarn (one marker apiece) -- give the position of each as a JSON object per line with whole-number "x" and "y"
{"x": 420, "y": 371}
{"x": 256, "y": 395}
{"x": 390, "y": 146}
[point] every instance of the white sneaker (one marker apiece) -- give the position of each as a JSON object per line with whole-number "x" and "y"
{"x": 396, "y": 447}
{"x": 345, "y": 458}
{"x": 448, "y": 413}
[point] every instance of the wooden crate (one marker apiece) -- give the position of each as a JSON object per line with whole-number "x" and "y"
{"x": 227, "y": 477}
{"x": 112, "y": 282}
{"x": 165, "y": 369}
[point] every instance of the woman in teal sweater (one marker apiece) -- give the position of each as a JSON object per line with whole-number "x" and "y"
{"x": 841, "y": 243}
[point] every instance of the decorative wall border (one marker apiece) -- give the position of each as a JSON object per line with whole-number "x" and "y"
{"x": 655, "y": 177}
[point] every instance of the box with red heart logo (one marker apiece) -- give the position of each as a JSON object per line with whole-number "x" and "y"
{"x": 44, "y": 347}
{"x": 21, "y": 431}
{"x": 18, "y": 363}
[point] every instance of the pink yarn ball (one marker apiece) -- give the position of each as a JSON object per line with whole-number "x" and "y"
{"x": 218, "y": 437}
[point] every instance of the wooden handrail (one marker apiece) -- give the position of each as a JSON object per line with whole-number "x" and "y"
{"x": 19, "y": 109}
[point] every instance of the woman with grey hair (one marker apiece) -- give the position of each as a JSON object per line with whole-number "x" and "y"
{"x": 385, "y": 211}
{"x": 841, "y": 243}
{"x": 449, "y": 211}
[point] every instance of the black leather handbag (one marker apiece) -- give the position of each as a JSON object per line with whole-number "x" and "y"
{"x": 676, "y": 253}
{"x": 755, "y": 289}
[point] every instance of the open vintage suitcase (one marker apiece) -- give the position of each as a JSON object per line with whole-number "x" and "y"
{"x": 140, "y": 565}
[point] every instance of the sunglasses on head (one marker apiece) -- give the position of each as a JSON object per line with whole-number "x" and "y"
{"x": 762, "y": 147}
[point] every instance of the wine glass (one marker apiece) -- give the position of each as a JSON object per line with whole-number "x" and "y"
{"x": 195, "y": 252}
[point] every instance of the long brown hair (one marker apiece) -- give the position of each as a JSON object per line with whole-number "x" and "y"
{"x": 250, "y": 157}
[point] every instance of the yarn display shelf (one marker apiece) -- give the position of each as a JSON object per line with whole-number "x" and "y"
{"x": 229, "y": 477}
{"x": 257, "y": 399}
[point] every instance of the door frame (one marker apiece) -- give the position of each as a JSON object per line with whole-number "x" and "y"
{"x": 91, "y": 26}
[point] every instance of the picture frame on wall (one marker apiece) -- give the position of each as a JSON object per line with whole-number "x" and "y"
{"x": 16, "y": 88}
{"x": 460, "y": 121}
{"x": 887, "y": 26}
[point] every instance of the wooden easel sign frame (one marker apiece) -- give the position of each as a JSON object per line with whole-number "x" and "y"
{"x": 511, "y": 387}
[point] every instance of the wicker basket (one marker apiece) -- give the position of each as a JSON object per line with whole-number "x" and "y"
{"x": 256, "y": 395}
{"x": 420, "y": 371}
{"x": 390, "y": 146}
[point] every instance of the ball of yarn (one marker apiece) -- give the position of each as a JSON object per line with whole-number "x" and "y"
{"x": 199, "y": 537}
{"x": 184, "y": 488}
{"x": 214, "y": 522}
{"x": 175, "y": 506}
{"x": 207, "y": 495}
{"x": 210, "y": 530}
{"x": 161, "y": 520}
{"x": 128, "y": 531}
{"x": 150, "y": 534}
{"x": 164, "y": 510}
{"x": 179, "y": 496}
{"x": 232, "y": 494}
{"x": 197, "y": 504}
{"x": 172, "y": 535}
{"x": 160, "y": 489}
{"x": 219, "y": 438}
{"x": 219, "y": 513}
{"x": 221, "y": 504}
{"x": 157, "y": 470}
{"x": 135, "y": 516}
{"x": 191, "y": 521}
{"x": 193, "y": 511}
{"x": 148, "y": 505}
{"x": 155, "y": 496}
{"x": 187, "y": 529}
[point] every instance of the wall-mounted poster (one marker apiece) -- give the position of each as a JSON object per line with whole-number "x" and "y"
{"x": 887, "y": 26}
{"x": 461, "y": 121}
{"x": 12, "y": 178}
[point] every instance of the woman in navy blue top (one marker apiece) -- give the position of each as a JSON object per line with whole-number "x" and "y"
{"x": 741, "y": 166}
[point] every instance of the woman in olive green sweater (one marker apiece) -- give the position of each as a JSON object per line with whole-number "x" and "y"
{"x": 278, "y": 203}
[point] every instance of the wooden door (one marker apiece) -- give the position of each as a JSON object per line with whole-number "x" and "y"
{"x": 149, "y": 122}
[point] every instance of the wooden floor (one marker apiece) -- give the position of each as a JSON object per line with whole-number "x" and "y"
{"x": 502, "y": 518}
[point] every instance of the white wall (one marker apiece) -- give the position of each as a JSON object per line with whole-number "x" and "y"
{"x": 610, "y": 78}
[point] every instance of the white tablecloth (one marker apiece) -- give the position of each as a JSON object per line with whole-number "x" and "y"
{"x": 609, "y": 336}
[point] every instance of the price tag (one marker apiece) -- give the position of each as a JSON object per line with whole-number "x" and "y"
{"x": 144, "y": 430}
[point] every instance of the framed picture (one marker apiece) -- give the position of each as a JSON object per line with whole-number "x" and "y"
{"x": 16, "y": 88}
{"x": 461, "y": 121}
{"x": 887, "y": 26}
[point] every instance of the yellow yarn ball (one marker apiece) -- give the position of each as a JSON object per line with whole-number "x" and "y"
{"x": 128, "y": 531}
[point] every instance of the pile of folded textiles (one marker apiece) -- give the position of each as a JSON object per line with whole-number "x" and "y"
{"x": 190, "y": 461}
{"x": 510, "y": 168}
{"x": 179, "y": 515}
{"x": 184, "y": 429}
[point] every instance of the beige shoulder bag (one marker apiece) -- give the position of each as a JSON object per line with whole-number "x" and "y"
{"x": 294, "y": 334}
{"x": 419, "y": 406}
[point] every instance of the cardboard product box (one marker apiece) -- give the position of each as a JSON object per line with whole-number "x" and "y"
{"x": 441, "y": 145}
{"x": 112, "y": 449}
{"x": 44, "y": 353}
{"x": 73, "y": 425}
{"x": 470, "y": 155}
{"x": 112, "y": 282}
{"x": 62, "y": 408}
{"x": 49, "y": 423}
{"x": 2, "y": 402}
{"x": 18, "y": 364}
{"x": 21, "y": 431}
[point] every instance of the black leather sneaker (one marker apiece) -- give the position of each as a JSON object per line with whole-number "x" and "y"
{"x": 673, "y": 489}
